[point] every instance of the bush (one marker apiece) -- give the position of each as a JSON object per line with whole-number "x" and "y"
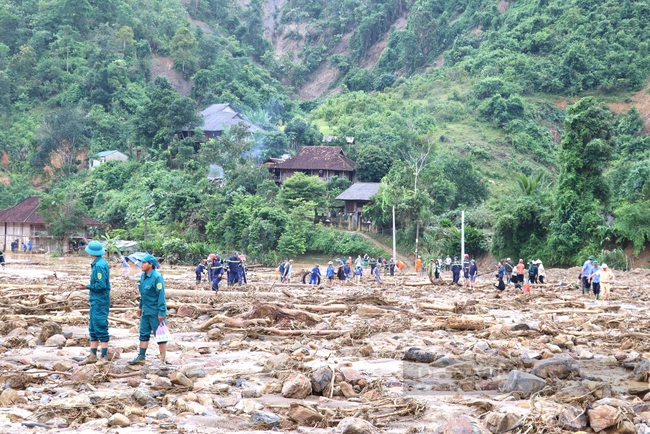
{"x": 615, "y": 259}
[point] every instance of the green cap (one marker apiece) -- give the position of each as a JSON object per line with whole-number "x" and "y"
{"x": 592, "y": 257}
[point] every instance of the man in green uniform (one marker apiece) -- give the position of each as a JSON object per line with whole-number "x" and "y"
{"x": 100, "y": 301}
{"x": 152, "y": 309}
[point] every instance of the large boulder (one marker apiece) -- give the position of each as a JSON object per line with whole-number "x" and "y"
{"x": 415, "y": 354}
{"x": 502, "y": 421}
{"x": 523, "y": 383}
{"x": 354, "y": 425}
{"x": 642, "y": 370}
{"x": 321, "y": 378}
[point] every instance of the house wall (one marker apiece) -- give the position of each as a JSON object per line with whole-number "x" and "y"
{"x": 327, "y": 174}
{"x": 24, "y": 232}
{"x": 116, "y": 156}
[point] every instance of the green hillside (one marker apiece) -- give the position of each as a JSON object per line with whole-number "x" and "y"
{"x": 532, "y": 116}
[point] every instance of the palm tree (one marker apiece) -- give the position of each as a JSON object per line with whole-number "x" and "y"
{"x": 530, "y": 186}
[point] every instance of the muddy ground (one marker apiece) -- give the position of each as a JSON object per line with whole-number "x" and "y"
{"x": 405, "y": 357}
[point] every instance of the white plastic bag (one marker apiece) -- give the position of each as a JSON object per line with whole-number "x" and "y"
{"x": 162, "y": 334}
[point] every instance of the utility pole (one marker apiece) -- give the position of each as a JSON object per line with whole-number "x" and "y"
{"x": 462, "y": 235}
{"x": 394, "y": 245}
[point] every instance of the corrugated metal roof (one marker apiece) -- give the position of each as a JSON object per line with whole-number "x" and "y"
{"x": 27, "y": 212}
{"x": 318, "y": 157}
{"x": 104, "y": 153}
{"x": 360, "y": 191}
{"x": 218, "y": 117}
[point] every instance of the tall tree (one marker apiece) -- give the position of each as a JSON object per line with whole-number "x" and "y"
{"x": 585, "y": 151}
{"x": 62, "y": 213}
{"x": 64, "y": 134}
{"x": 182, "y": 47}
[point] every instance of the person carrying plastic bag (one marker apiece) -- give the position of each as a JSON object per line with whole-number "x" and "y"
{"x": 152, "y": 309}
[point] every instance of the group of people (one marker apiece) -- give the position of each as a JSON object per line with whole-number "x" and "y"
{"x": 509, "y": 273}
{"x": 595, "y": 276}
{"x": 234, "y": 268}
{"x": 344, "y": 270}
{"x": 27, "y": 247}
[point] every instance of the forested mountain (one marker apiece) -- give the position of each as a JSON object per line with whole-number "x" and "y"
{"x": 530, "y": 115}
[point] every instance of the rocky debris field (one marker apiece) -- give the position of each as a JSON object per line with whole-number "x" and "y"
{"x": 406, "y": 357}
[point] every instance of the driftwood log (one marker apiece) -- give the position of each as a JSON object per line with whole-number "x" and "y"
{"x": 466, "y": 322}
{"x": 279, "y": 314}
{"x": 232, "y": 322}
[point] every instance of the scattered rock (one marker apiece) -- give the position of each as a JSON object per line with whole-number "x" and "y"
{"x": 354, "y": 425}
{"x": 119, "y": 420}
{"x": 482, "y": 345}
{"x": 11, "y": 397}
{"x": 321, "y": 378}
{"x": 250, "y": 392}
{"x": 461, "y": 425}
{"x": 180, "y": 379}
{"x": 623, "y": 427}
{"x": 185, "y": 310}
{"x": 501, "y": 421}
{"x": 572, "y": 418}
{"x": 83, "y": 374}
{"x": 296, "y": 386}
{"x": 642, "y": 370}
{"x": 555, "y": 368}
{"x": 370, "y": 311}
{"x": 49, "y": 329}
{"x": 55, "y": 341}
{"x": 366, "y": 350}
{"x": 133, "y": 381}
{"x": 163, "y": 413}
{"x": 144, "y": 398}
{"x": 270, "y": 419}
{"x": 248, "y": 406}
{"x": 585, "y": 355}
{"x": 193, "y": 371}
{"x": 627, "y": 344}
{"x": 347, "y": 390}
{"x": 350, "y": 374}
{"x": 444, "y": 362}
{"x": 215, "y": 334}
{"x": 304, "y": 415}
{"x": 602, "y": 417}
{"x": 62, "y": 366}
{"x": 525, "y": 384}
{"x": 418, "y": 355}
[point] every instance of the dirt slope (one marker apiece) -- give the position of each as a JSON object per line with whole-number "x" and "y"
{"x": 164, "y": 66}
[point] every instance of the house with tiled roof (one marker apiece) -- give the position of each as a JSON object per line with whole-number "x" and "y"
{"x": 23, "y": 223}
{"x": 325, "y": 162}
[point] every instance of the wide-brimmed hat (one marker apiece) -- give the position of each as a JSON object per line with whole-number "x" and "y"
{"x": 604, "y": 266}
{"x": 95, "y": 248}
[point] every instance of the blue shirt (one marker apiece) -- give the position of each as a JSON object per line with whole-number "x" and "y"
{"x": 315, "y": 272}
{"x": 502, "y": 269}
{"x": 473, "y": 269}
{"x": 587, "y": 268}
{"x": 596, "y": 278}
{"x": 330, "y": 272}
{"x": 152, "y": 294}
{"x": 100, "y": 285}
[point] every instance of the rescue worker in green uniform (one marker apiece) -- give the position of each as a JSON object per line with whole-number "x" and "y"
{"x": 100, "y": 301}
{"x": 152, "y": 309}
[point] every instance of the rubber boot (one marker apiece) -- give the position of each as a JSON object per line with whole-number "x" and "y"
{"x": 102, "y": 361}
{"x": 91, "y": 359}
{"x": 137, "y": 361}
{"x": 163, "y": 362}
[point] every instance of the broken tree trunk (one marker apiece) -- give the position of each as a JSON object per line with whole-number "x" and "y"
{"x": 232, "y": 322}
{"x": 307, "y": 332}
{"x": 280, "y": 314}
{"x": 467, "y": 322}
{"x": 434, "y": 306}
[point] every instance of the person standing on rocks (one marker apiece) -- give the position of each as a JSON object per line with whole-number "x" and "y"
{"x": 200, "y": 269}
{"x": 377, "y": 273}
{"x": 152, "y": 309}
{"x": 330, "y": 273}
{"x": 447, "y": 263}
{"x": 215, "y": 272}
{"x": 541, "y": 272}
{"x": 587, "y": 270}
{"x": 532, "y": 272}
{"x": 501, "y": 270}
{"x": 466, "y": 264}
{"x": 99, "y": 299}
{"x": 594, "y": 279}
{"x": 358, "y": 272}
{"x": 455, "y": 269}
{"x": 288, "y": 269}
{"x": 606, "y": 276}
{"x": 391, "y": 266}
{"x": 520, "y": 272}
{"x": 418, "y": 265}
{"x": 2, "y": 260}
{"x": 508, "y": 267}
{"x": 473, "y": 273}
